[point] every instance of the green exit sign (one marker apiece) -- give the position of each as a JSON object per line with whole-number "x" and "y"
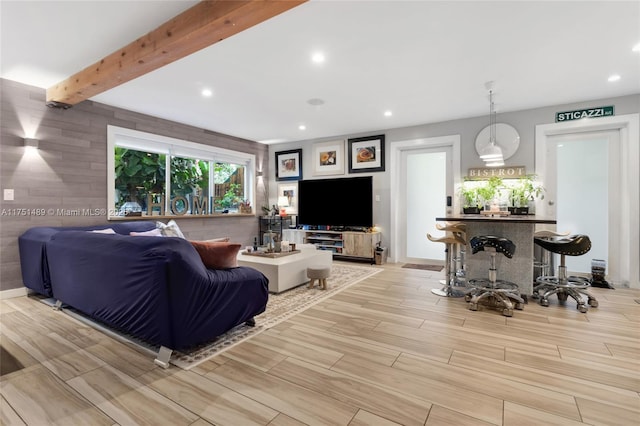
{"x": 603, "y": 111}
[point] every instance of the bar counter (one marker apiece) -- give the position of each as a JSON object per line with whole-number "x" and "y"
{"x": 517, "y": 228}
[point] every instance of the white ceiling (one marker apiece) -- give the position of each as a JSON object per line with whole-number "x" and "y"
{"x": 426, "y": 61}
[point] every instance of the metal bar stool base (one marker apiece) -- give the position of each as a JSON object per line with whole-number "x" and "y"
{"x": 451, "y": 281}
{"x": 447, "y": 291}
{"x": 571, "y": 286}
{"x": 497, "y": 294}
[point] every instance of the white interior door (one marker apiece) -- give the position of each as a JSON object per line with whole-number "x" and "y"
{"x": 582, "y": 186}
{"x": 426, "y": 177}
{"x": 590, "y": 171}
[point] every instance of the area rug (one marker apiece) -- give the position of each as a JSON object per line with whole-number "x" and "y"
{"x": 436, "y": 268}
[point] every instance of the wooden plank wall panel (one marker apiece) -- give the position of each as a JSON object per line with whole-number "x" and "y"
{"x": 69, "y": 170}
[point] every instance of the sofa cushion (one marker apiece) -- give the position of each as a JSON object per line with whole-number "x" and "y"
{"x": 152, "y": 233}
{"x": 217, "y": 255}
{"x": 171, "y": 229}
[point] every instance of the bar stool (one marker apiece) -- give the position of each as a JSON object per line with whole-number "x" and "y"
{"x": 498, "y": 293}
{"x": 460, "y": 230}
{"x": 544, "y": 262}
{"x": 561, "y": 285}
{"x": 448, "y": 289}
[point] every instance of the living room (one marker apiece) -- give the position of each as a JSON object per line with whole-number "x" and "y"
{"x": 69, "y": 171}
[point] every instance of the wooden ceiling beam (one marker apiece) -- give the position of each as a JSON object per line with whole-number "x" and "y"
{"x": 204, "y": 24}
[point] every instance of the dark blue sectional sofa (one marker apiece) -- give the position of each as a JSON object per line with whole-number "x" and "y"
{"x": 154, "y": 288}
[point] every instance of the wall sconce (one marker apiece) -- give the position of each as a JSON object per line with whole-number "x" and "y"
{"x": 259, "y": 173}
{"x": 31, "y": 143}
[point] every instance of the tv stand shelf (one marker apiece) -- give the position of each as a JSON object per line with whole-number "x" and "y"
{"x": 346, "y": 244}
{"x": 325, "y": 240}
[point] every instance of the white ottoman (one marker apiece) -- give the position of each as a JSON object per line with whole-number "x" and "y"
{"x": 319, "y": 273}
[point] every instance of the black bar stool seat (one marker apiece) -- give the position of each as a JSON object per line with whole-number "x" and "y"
{"x": 575, "y": 245}
{"x": 497, "y": 293}
{"x": 502, "y": 245}
{"x": 562, "y": 285}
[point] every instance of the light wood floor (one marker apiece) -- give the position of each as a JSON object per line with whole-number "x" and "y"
{"x": 383, "y": 352}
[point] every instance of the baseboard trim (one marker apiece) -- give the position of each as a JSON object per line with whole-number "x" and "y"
{"x": 14, "y": 292}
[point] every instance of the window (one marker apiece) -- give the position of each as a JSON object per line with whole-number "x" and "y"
{"x": 138, "y": 174}
{"x": 155, "y": 175}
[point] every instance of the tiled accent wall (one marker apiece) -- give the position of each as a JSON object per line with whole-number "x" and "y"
{"x": 68, "y": 171}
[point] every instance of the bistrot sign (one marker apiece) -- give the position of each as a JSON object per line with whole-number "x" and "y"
{"x": 603, "y": 111}
{"x": 482, "y": 173}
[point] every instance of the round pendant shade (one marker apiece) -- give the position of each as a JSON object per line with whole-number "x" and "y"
{"x": 507, "y": 138}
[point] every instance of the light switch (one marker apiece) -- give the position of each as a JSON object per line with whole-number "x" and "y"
{"x": 377, "y": 197}
{"x": 8, "y": 195}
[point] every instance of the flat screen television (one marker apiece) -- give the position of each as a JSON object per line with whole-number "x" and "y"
{"x": 345, "y": 202}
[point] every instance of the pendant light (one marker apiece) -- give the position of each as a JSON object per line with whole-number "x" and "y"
{"x": 491, "y": 154}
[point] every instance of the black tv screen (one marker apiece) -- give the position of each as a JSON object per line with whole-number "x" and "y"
{"x": 346, "y": 202}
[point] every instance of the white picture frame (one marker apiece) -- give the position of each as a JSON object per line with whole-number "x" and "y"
{"x": 290, "y": 191}
{"x": 328, "y": 158}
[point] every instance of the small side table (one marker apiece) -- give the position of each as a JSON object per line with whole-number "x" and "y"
{"x": 273, "y": 223}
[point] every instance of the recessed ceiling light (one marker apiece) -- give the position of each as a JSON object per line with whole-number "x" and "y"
{"x": 388, "y": 113}
{"x": 636, "y": 48}
{"x": 614, "y": 77}
{"x": 302, "y": 127}
{"x": 318, "y": 57}
{"x": 207, "y": 93}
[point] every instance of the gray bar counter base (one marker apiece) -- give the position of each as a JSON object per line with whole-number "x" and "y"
{"x": 517, "y": 228}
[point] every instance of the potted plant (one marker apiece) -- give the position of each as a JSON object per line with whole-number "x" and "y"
{"x": 525, "y": 190}
{"x": 488, "y": 192}
{"x": 470, "y": 200}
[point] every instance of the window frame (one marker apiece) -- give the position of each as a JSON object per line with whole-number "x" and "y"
{"x": 149, "y": 142}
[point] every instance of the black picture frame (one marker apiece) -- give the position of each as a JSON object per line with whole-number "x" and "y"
{"x": 289, "y": 165}
{"x": 366, "y": 154}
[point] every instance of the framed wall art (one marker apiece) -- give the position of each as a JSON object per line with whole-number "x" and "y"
{"x": 288, "y": 197}
{"x": 289, "y": 165}
{"x": 366, "y": 154}
{"x": 328, "y": 158}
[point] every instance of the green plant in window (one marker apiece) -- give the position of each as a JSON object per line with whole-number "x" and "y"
{"x": 188, "y": 175}
{"x": 231, "y": 198}
{"x": 526, "y": 189}
{"x": 138, "y": 173}
{"x": 469, "y": 194}
{"x": 490, "y": 189}
{"x": 223, "y": 172}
